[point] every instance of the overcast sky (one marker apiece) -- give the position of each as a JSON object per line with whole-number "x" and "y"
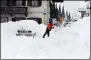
{"x": 72, "y": 6}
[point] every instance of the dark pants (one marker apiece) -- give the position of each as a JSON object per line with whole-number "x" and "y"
{"x": 47, "y": 32}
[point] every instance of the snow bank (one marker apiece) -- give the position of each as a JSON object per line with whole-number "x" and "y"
{"x": 26, "y": 24}
{"x": 79, "y": 32}
{"x": 41, "y": 29}
{"x": 64, "y": 43}
{"x": 82, "y": 28}
{"x": 29, "y": 24}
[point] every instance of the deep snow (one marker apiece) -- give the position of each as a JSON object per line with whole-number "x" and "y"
{"x": 64, "y": 43}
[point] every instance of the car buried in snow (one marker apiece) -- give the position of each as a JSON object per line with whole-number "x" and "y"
{"x": 25, "y": 32}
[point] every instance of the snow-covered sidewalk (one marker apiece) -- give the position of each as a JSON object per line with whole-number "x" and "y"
{"x": 66, "y": 43}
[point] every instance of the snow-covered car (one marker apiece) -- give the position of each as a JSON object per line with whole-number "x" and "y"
{"x": 25, "y": 32}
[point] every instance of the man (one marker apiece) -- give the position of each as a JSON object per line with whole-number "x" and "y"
{"x": 48, "y": 29}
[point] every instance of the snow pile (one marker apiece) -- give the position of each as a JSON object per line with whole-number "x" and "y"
{"x": 64, "y": 43}
{"x": 13, "y": 26}
{"x": 82, "y": 28}
{"x": 79, "y": 35}
{"x": 41, "y": 29}
{"x": 29, "y": 24}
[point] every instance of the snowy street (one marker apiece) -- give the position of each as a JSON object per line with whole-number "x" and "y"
{"x": 64, "y": 43}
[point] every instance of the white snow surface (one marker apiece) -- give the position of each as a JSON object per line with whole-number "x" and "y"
{"x": 64, "y": 43}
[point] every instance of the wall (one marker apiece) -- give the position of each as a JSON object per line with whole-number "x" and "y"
{"x": 9, "y": 17}
{"x": 35, "y": 12}
{"x": 39, "y": 12}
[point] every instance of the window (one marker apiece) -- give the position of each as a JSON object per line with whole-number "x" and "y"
{"x": 34, "y": 3}
{"x": 3, "y": 3}
{"x": 16, "y": 3}
{"x": 23, "y": 2}
{"x": 8, "y": 3}
{"x": 11, "y": 2}
{"x": 19, "y": 3}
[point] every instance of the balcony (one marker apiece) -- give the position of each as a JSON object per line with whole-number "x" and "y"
{"x": 14, "y": 10}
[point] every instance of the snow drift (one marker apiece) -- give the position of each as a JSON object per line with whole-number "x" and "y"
{"x": 64, "y": 43}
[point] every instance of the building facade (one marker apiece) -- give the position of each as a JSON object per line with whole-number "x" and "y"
{"x": 16, "y": 10}
{"x": 85, "y": 11}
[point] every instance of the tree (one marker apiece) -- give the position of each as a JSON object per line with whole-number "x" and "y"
{"x": 60, "y": 9}
{"x": 67, "y": 14}
{"x": 52, "y": 10}
{"x": 56, "y": 11}
{"x": 63, "y": 12}
{"x": 67, "y": 18}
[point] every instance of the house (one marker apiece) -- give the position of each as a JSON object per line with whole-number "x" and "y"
{"x": 85, "y": 11}
{"x": 12, "y": 10}
{"x": 15, "y": 10}
{"x": 40, "y": 10}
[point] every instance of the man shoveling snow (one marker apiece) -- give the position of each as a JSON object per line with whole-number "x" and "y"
{"x": 48, "y": 29}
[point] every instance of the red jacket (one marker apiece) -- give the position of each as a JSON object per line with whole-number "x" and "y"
{"x": 50, "y": 26}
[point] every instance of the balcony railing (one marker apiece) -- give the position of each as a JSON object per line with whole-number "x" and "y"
{"x": 14, "y": 10}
